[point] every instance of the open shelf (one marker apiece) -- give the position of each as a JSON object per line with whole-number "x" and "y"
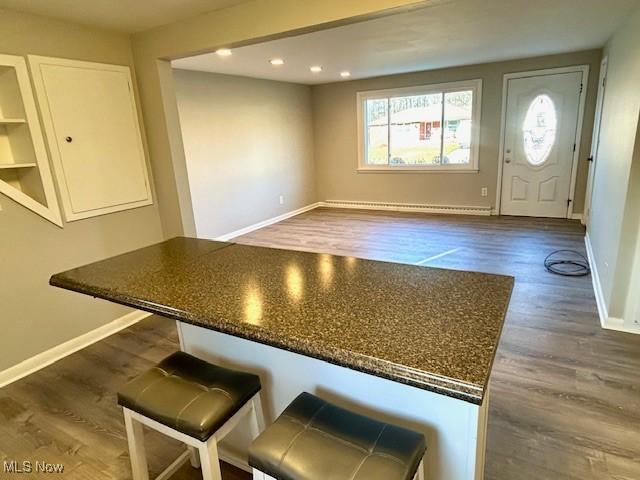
{"x": 25, "y": 176}
{"x": 5, "y": 166}
{"x": 12, "y": 121}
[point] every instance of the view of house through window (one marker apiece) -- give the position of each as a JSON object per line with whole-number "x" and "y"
{"x": 431, "y": 129}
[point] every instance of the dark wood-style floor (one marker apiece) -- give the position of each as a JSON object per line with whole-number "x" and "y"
{"x": 565, "y": 393}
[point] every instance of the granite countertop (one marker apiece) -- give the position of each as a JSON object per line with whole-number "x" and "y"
{"x": 431, "y": 328}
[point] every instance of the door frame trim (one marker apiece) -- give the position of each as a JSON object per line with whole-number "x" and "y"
{"x": 584, "y": 69}
{"x": 595, "y": 140}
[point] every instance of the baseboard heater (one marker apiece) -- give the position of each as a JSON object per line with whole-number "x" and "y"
{"x": 408, "y": 207}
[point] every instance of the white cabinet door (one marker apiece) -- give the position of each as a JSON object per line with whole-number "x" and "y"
{"x": 92, "y": 127}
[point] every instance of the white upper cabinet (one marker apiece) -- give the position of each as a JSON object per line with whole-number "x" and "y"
{"x": 91, "y": 121}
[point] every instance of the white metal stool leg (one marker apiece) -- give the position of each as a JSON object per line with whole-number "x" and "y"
{"x": 135, "y": 437}
{"x": 194, "y": 458}
{"x": 257, "y": 416}
{"x": 258, "y": 475}
{"x": 209, "y": 460}
{"x": 200, "y": 454}
{"x": 420, "y": 473}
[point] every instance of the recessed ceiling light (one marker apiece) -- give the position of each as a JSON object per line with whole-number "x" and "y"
{"x": 345, "y": 74}
{"x": 316, "y": 69}
{"x": 223, "y": 52}
{"x": 276, "y": 61}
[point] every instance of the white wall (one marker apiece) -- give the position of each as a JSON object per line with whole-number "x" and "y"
{"x": 632, "y": 301}
{"x": 625, "y": 298}
{"x": 614, "y": 203}
{"x": 246, "y": 142}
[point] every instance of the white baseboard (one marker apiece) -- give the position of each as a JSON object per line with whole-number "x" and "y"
{"x": 58, "y": 352}
{"x": 595, "y": 280}
{"x": 407, "y": 207}
{"x": 606, "y": 321}
{"x": 618, "y": 324}
{"x": 270, "y": 221}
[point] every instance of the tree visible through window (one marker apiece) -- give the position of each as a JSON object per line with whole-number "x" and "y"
{"x": 430, "y": 129}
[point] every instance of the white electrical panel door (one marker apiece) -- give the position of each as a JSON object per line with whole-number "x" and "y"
{"x": 91, "y": 122}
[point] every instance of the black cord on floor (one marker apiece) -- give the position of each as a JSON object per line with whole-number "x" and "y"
{"x": 568, "y": 263}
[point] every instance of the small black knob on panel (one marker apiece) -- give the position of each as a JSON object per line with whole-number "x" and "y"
{"x": 69, "y": 139}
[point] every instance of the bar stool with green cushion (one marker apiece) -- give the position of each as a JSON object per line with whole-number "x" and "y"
{"x": 193, "y": 401}
{"x": 315, "y": 440}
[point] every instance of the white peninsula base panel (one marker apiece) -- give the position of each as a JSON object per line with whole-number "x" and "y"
{"x": 455, "y": 430}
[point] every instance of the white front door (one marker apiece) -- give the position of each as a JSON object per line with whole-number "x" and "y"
{"x": 539, "y": 142}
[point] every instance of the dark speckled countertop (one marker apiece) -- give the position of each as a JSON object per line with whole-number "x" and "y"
{"x": 430, "y": 328}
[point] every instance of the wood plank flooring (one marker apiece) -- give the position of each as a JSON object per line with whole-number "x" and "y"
{"x": 67, "y": 413}
{"x": 565, "y": 393}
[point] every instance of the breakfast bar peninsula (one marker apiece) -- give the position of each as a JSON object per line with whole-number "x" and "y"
{"x": 407, "y": 344}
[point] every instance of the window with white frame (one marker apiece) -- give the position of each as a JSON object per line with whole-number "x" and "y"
{"x": 430, "y": 127}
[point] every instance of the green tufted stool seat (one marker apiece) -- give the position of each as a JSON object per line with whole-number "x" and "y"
{"x": 316, "y": 440}
{"x": 188, "y": 394}
{"x": 190, "y": 400}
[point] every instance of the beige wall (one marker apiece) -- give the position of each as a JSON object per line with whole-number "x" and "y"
{"x": 336, "y": 136}
{"x": 245, "y": 23}
{"x": 33, "y": 315}
{"x": 246, "y": 142}
{"x": 615, "y": 208}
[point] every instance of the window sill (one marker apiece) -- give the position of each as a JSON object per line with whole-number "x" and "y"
{"x": 417, "y": 170}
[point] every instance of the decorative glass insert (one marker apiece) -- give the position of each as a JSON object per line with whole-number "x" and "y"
{"x": 539, "y": 129}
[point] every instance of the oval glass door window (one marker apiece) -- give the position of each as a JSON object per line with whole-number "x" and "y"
{"x": 539, "y": 130}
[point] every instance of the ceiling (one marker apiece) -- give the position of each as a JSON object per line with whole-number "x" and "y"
{"x": 449, "y": 33}
{"x": 125, "y": 16}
